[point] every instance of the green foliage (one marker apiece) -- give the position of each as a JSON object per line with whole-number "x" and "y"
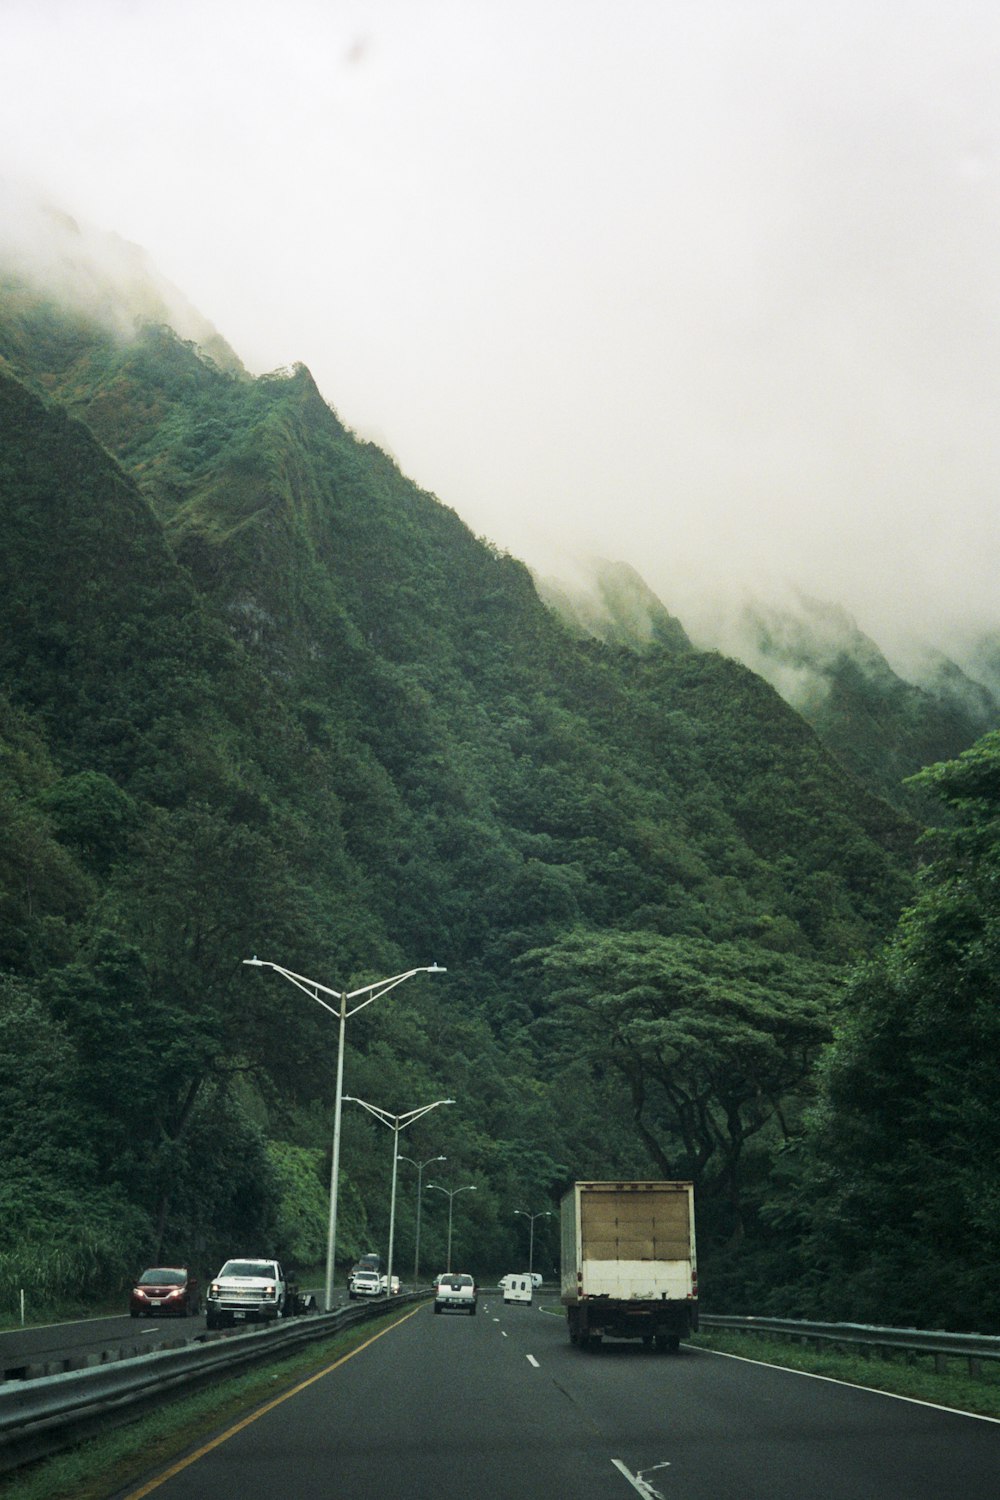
{"x": 61, "y": 1228}
{"x": 714, "y": 1042}
{"x": 304, "y": 1202}
{"x": 266, "y": 696}
{"x": 900, "y": 1171}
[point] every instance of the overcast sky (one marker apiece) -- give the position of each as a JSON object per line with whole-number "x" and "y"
{"x": 711, "y": 286}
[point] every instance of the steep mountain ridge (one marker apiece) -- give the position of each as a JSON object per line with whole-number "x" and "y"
{"x": 880, "y": 725}
{"x": 287, "y": 703}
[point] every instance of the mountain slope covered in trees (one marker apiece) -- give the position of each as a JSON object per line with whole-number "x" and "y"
{"x": 262, "y": 694}
{"x": 881, "y": 726}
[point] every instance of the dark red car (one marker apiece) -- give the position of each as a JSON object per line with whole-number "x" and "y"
{"x": 168, "y": 1291}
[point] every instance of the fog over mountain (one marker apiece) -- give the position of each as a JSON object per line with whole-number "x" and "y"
{"x": 710, "y": 289}
{"x": 97, "y": 273}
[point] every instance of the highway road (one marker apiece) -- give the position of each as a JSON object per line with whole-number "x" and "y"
{"x": 502, "y": 1406}
{"x": 50, "y": 1342}
{"x": 55, "y": 1341}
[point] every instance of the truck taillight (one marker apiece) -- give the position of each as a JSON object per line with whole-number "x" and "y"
{"x": 694, "y": 1282}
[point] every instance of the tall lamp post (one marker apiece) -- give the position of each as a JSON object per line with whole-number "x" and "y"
{"x": 451, "y": 1192}
{"x": 546, "y": 1213}
{"x": 343, "y": 1010}
{"x": 396, "y": 1123}
{"x": 420, "y": 1172}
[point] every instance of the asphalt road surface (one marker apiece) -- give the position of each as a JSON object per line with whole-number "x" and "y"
{"x": 501, "y": 1406}
{"x": 55, "y": 1341}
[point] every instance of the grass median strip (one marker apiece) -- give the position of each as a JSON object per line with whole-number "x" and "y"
{"x": 895, "y": 1373}
{"x": 118, "y": 1461}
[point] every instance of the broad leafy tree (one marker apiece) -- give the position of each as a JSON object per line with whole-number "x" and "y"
{"x": 712, "y": 1041}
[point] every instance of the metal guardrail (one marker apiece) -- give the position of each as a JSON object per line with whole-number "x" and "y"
{"x": 973, "y": 1347}
{"x": 40, "y": 1417}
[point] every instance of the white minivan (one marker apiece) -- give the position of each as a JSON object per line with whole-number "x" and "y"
{"x": 518, "y": 1287}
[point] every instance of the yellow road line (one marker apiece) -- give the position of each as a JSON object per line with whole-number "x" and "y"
{"x": 223, "y": 1437}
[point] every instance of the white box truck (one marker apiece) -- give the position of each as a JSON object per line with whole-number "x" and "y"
{"x": 629, "y": 1269}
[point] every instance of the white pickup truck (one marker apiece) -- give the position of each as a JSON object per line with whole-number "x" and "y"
{"x": 246, "y": 1289}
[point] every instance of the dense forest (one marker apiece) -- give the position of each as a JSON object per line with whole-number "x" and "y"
{"x": 261, "y": 694}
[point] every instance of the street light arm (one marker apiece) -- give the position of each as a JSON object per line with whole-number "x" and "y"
{"x": 412, "y": 1115}
{"x": 383, "y": 986}
{"x": 308, "y": 986}
{"x": 373, "y": 1109}
{"x": 373, "y": 991}
{"x": 395, "y": 1122}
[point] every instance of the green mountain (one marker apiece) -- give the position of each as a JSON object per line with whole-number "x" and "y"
{"x": 263, "y": 694}
{"x": 882, "y": 727}
{"x": 618, "y": 608}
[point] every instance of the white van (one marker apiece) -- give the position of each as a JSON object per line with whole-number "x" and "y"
{"x": 518, "y": 1287}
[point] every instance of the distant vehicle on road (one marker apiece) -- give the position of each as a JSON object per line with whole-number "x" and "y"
{"x": 166, "y": 1292}
{"x": 384, "y": 1284}
{"x": 456, "y": 1290}
{"x": 364, "y": 1284}
{"x": 536, "y": 1278}
{"x": 518, "y": 1287}
{"x": 246, "y": 1289}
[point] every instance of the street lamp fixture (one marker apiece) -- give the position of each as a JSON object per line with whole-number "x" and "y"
{"x": 343, "y": 1010}
{"x": 396, "y": 1123}
{"x": 546, "y": 1213}
{"x": 420, "y": 1172}
{"x": 452, "y": 1193}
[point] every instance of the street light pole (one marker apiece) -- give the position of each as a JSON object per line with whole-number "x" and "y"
{"x": 420, "y": 1173}
{"x": 396, "y": 1123}
{"x": 451, "y": 1192}
{"x": 313, "y": 989}
{"x": 546, "y": 1213}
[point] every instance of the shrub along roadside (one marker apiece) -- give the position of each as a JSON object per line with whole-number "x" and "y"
{"x": 105, "y": 1466}
{"x": 899, "y": 1373}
